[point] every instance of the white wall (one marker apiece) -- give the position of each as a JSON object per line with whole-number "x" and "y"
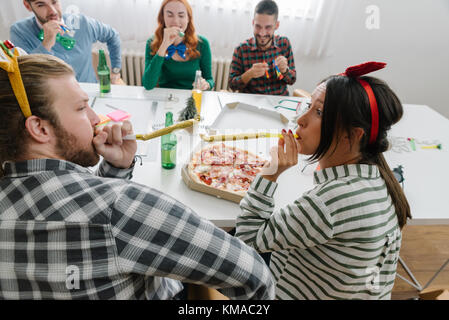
{"x": 413, "y": 39}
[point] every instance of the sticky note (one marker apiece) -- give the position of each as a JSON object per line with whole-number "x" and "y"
{"x": 118, "y": 115}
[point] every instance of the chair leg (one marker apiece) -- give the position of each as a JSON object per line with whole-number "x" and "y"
{"x": 436, "y": 274}
{"x": 416, "y": 284}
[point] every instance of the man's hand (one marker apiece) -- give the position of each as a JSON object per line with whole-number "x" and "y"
{"x": 259, "y": 69}
{"x": 115, "y": 79}
{"x": 51, "y": 29}
{"x": 110, "y": 145}
{"x": 282, "y": 63}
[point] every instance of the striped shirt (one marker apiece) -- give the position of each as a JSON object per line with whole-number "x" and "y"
{"x": 248, "y": 53}
{"x": 340, "y": 240}
{"x": 68, "y": 234}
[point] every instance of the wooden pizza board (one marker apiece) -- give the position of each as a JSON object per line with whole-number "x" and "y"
{"x": 222, "y": 194}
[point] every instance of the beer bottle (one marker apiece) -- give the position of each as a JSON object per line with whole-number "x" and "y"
{"x": 197, "y": 92}
{"x": 168, "y": 145}
{"x": 104, "y": 74}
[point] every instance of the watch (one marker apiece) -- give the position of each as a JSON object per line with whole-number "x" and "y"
{"x": 116, "y": 70}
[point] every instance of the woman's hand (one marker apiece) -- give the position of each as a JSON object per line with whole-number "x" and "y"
{"x": 110, "y": 145}
{"x": 284, "y": 156}
{"x": 204, "y": 85}
{"x": 171, "y": 35}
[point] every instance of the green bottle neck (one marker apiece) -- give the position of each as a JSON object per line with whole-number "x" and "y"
{"x": 102, "y": 64}
{"x": 168, "y": 119}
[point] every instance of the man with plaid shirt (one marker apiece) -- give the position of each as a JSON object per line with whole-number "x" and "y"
{"x": 263, "y": 64}
{"x": 66, "y": 233}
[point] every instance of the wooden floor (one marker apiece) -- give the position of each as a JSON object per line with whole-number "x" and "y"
{"x": 424, "y": 250}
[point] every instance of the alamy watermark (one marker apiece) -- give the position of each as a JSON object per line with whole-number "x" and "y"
{"x": 72, "y": 21}
{"x": 72, "y": 281}
{"x": 372, "y": 21}
{"x": 373, "y": 280}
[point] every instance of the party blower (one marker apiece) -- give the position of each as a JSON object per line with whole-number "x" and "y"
{"x": 162, "y": 132}
{"x": 241, "y": 136}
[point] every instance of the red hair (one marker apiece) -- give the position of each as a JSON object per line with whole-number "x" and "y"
{"x": 190, "y": 38}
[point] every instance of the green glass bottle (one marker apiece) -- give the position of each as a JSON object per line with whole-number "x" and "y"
{"x": 104, "y": 74}
{"x": 168, "y": 145}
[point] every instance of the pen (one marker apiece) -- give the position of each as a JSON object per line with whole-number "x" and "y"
{"x": 412, "y": 143}
{"x": 112, "y": 107}
{"x": 437, "y": 146}
{"x": 93, "y": 102}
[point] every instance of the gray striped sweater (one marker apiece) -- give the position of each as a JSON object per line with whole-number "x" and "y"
{"x": 340, "y": 240}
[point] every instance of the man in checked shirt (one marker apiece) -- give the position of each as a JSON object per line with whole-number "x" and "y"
{"x": 66, "y": 233}
{"x": 254, "y": 62}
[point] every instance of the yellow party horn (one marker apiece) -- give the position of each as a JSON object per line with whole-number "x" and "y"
{"x": 241, "y": 136}
{"x": 162, "y": 132}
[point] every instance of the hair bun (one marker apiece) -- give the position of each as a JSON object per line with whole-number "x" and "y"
{"x": 381, "y": 145}
{"x": 384, "y": 145}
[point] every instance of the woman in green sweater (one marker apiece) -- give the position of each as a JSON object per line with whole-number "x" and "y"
{"x": 175, "y": 52}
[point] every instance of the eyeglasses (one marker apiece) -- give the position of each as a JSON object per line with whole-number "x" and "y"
{"x": 287, "y": 108}
{"x": 9, "y": 63}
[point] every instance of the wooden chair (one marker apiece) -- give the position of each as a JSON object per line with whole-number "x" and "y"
{"x": 301, "y": 93}
{"x": 95, "y": 59}
{"x": 199, "y": 292}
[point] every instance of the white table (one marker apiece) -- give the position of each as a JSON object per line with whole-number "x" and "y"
{"x": 425, "y": 171}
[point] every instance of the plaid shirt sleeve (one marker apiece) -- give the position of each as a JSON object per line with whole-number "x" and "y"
{"x": 158, "y": 236}
{"x": 106, "y": 170}
{"x": 290, "y": 75}
{"x": 236, "y": 71}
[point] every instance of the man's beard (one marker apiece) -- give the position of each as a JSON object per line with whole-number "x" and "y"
{"x": 268, "y": 42}
{"x": 41, "y": 20}
{"x": 69, "y": 150}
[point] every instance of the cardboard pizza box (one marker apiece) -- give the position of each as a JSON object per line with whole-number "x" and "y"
{"x": 222, "y": 194}
{"x": 247, "y": 117}
{"x": 238, "y": 118}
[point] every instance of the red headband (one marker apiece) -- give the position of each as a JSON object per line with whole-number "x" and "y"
{"x": 356, "y": 72}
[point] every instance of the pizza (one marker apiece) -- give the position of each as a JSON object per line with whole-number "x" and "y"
{"x": 225, "y": 168}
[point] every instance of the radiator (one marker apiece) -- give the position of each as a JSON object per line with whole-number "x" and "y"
{"x": 133, "y": 67}
{"x": 220, "y": 72}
